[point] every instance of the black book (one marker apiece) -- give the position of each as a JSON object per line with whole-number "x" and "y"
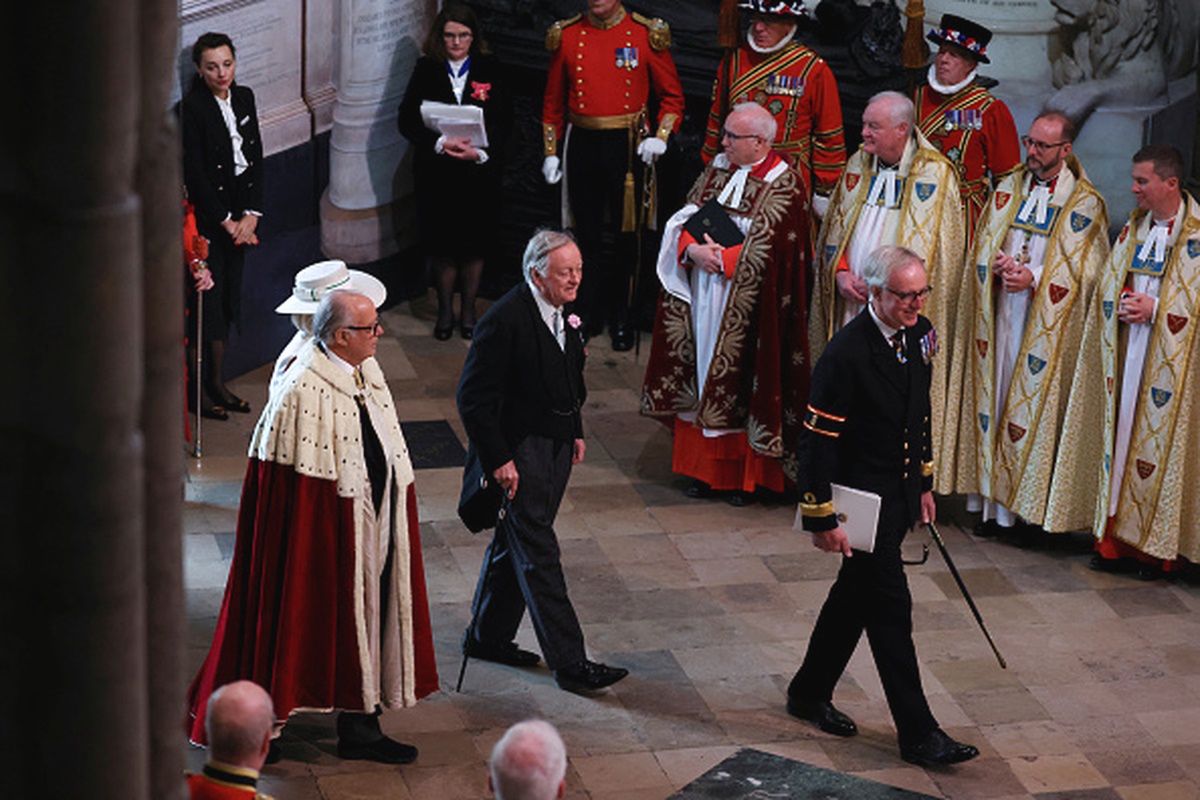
{"x": 712, "y": 219}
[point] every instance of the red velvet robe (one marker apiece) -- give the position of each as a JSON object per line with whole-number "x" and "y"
{"x": 288, "y": 619}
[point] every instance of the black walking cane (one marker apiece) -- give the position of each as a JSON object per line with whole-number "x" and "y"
{"x": 477, "y": 601}
{"x": 962, "y": 587}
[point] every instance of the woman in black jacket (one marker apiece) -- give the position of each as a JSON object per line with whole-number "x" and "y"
{"x": 222, "y": 170}
{"x": 457, "y": 184}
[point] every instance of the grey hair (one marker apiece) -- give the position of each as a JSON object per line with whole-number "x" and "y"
{"x": 758, "y": 119}
{"x": 529, "y": 762}
{"x": 902, "y": 111}
{"x": 332, "y": 313}
{"x": 238, "y": 716}
{"x": 883, "y": 261}
{"x": 303, "y": 323}
{"x": 537, "y": 253}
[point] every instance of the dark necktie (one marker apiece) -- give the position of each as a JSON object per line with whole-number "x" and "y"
{"x": 898, "y": 345}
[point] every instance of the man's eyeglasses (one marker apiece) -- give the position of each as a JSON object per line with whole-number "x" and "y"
{"x": 1034, "y": 144}
{"x": 375, "y": 328}
{"x": 456, "y": 37}
{"x": 727, "y": 134}
{"x": 909, "y": 297}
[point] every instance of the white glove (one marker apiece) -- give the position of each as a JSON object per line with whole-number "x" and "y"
{"x": 820, "y": 204}
{"x": 650, "y": 149}
{"x": 550, "y": 170}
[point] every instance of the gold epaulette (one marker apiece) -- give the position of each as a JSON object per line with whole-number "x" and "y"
{"x": 660, "y": 31}
{"x": 554, "y": 32}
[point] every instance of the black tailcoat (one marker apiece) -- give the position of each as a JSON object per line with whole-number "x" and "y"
{"x": 867, "y": 426}
{"x": 217, "y": 193}
{"x": 519, "y": 398}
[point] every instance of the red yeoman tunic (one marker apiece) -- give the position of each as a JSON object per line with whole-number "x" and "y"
{"x": 798, "y": 88}
{"x": 977, "y": 133}
{"x": 325, "y": 606}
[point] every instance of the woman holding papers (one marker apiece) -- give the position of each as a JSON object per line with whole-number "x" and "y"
{"x": 454, "y": 157}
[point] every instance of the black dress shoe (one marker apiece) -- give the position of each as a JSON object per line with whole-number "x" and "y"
{"x": 214, "y": 412}
{"x": 507, "y": 653}
{"x": 823, "y": 715}
{"x": 697, "y": 490}
{"x": 382, "y": 750}
{"x": 466, "y": 331}
{"x": 739, "y": 499}
{"x": 442, "y": 334}
{"x": 1111, "y": 565}
{"x": 986, "y": 529}
{"x": 588, "y": 676}
{"x": 938, "y": 749}
{"x": 622, "y": 338}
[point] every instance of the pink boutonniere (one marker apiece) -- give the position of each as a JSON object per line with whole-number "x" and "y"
{"x": 479, "y": 91}
{"x": 574, "y": 321}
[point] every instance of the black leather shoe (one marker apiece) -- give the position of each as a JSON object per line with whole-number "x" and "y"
{"x": 739, "y": 499}
{"x": 986, "y": 529}
{"x": 588, "y": 676}
{"x": 938, "y": 749}
{"x": 622, "y": 338}
{"x": 213, "y": 412}
{"x": 823, "y": 715}
{"x": 382, "y": 750}
{"x": 507, "y": 653}
{"x": 442, "y": 334}
{"x": 697, "y": 490}
{"x": 1112, "y": 565}
{"x": 467, "y": 331}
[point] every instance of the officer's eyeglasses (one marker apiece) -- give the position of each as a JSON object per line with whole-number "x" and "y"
{"x": 910, "y": 297}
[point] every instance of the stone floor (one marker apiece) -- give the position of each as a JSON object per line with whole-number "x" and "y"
{"x": 710, "y": 608}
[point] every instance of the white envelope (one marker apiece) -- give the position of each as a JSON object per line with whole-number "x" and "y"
{"x": 858, "y": 515}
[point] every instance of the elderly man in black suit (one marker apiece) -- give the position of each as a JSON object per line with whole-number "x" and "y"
{"x": 867, "y": 427}
{"x": 520, "y": 397}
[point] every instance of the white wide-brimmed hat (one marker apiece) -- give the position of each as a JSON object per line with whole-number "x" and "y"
{"x": 317, "y": 280}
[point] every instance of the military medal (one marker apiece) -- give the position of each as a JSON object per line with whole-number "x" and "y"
{"x": 791, "y": 86}
{"x": 627, "y": 58}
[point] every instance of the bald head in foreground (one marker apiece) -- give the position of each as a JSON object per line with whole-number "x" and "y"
{"x": 239, "y": 720}
{"x": 528, "y": 763}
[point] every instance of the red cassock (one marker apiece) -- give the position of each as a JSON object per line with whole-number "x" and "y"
{"x": 798, "y": 88}
{"x": 292, "y": 619}
{"x": 977, "y": 133}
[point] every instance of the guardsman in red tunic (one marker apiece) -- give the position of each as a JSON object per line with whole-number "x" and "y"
{"x": 961, "y": 118}
{"x": 603, "y": 68}
{"x": 794, "y": 84}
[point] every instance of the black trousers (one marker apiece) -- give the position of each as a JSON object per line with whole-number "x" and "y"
{"x": 597, "y": 162}
{"x": 526, "y": 571}
{"x": 222, "y": 303}
{"x": 871, "y": 594}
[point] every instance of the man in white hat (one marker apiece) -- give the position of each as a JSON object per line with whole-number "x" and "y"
{"x": 308, "y": 289}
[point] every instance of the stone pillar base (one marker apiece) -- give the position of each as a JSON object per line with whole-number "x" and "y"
{"x": 357, "y": 237}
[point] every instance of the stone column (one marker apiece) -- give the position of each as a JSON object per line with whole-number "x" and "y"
{"x": 320, "y": 52}
{"x": 158, "y": 185}
{"x": 379, "y": 43}
{"x": 72, "y": 584}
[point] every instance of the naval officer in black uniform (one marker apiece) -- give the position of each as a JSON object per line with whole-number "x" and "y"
{"x": 867, "y": 427}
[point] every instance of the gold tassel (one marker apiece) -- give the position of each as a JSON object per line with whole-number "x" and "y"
{"x": 914, "y": 53}
{"x": 628, "y": 207}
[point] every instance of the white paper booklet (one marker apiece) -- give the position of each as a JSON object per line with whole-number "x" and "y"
{"x": 857, "y": 512}
{"x": 458, "y": 122}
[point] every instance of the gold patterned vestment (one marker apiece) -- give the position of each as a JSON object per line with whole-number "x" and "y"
{"x": 1010, "y": 458}
{"x": 929, "y": 222}
{"x": 1158, "y": 509}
